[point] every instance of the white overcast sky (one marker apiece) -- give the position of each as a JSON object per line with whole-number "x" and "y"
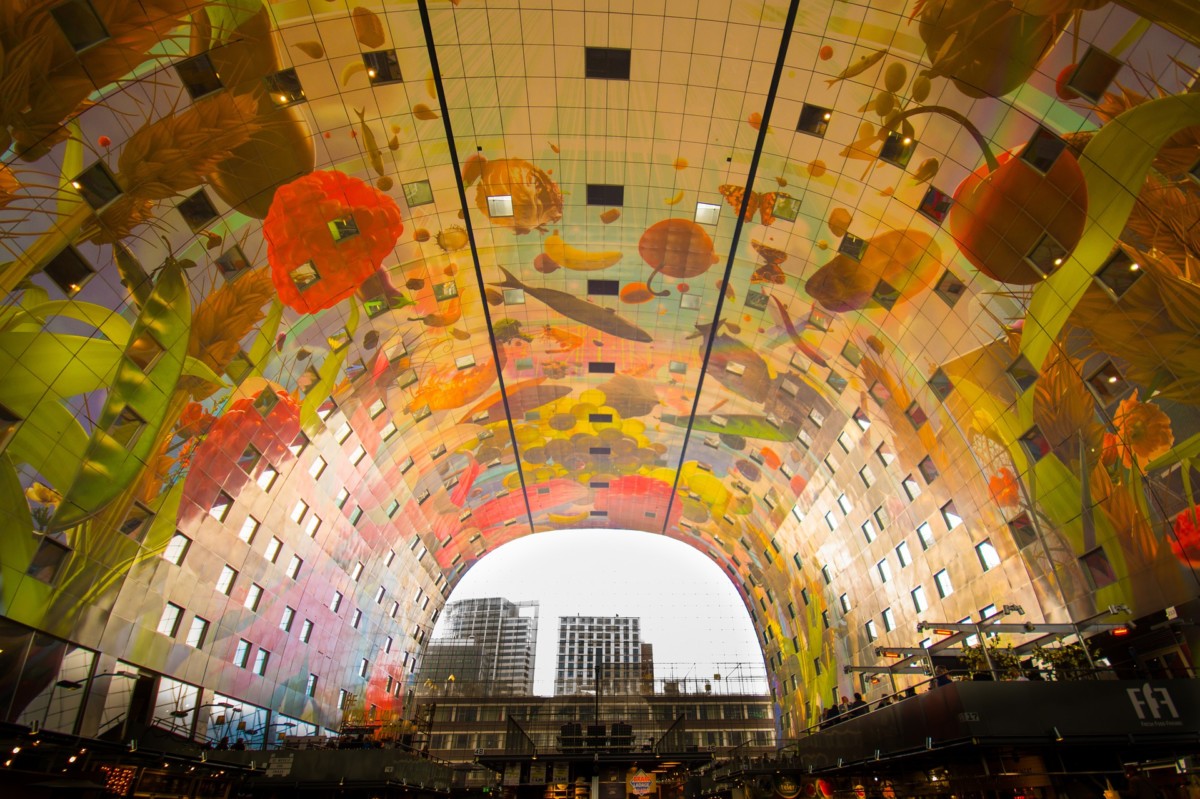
{"x": 689, "y": 609}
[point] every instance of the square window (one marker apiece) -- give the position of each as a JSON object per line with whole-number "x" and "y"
{"x": 872, "y": 632}
{"x": 814, "y": 120}
{"x": 298, "y": 510}
{"x": 383, "y": 66}
{"x": 949, "y": 288}
{"x": 830, "y": 520}
{"x": 316, "y": 468}
{"x": 305, "y": 275}
{"x": 605, "y": 194}
{"x": 928, "y": 471}
{"x": 844, "y": 602}
{"x": 935, "y": 205}
{"x": 989, "y": 558}
{"x": 220, "y": 506}
{"x": 306, "y": 630}
{"x": 1107, "y": 383}
{"x": 925, "y": 535}
{"x": 231, "y": 263}
{"x": 335, "y": 604}
{"x": 912, "y": 488}
{"x": 607, "y": 63}
{"x": 260, "y": 662}
{"x": 445, "y": 291}
{"x": 1094, "y": 73}
{"x": 312, "y": 526}
{"x": 707, "y": 213}
{"x": 359, "y": 453}
{"x": 940, "y": 384}
{"x": 80, "y": 24}
{"x": 226, "y": 579}
{"x": 1119, "y": 273}
{"x": 885, "y": 570}
{"x": 951, "y": 515}
{"x": 126, "y": 428}
{"x": 197, "y": 632}
{"x": 861, "y": 419}
{"x": 1098, "y": 569}
{"x": 882, "y": 517}
{"x": 868, "y": 531}
{"x": 918, "y": 599}
{"x": 137, "y": 521}
{"x": 177, "y": 548}
{"x": 284, "y": 87}
{"x": 310, "y": 688}
{"x": 249, "y": 528}
{"x": 241, "y": 654}
{"x": 826, "y": 574}
{"x": 852, "y": 354}
{"x": 1042, "y": 150}
{"x": 867, "y": 476}
{"x": 249, "y": 458}
{"x": 1046, "y": 255}
{"x": 356, "y": 619}
{"x": 1035, "y": 444}
{"x": 804, "y": 597}
{"x": 343, "y": 494}
{"x": 97, "y": 186}
{"x": 903, "y": 555}
{"x": 689, "y": 302}
{"x": 786, "y": 207}
{"x": 944, "y": 587}
{"x": 889, "y": 620}
{"x": 1022, "y": 530}
{"x": 500, "y": 206}
{"x": 844, "y": 503}
{"x": 293, "y": 569}
{"x": 879, "y": 392}
{"x": 916, "y": 415}
{"x": 285, "y": 621}
{"x": 168, "y": 623}
{"x": 852, "y": 246}
{"x": 356, "y": 572}
{"x": 145, "y": 351}
{"x": 825, "y": 619}
{"x": 199, "y": 78}
{"x": 197, "y": 211}
{"x": 253, "y": 596}
{"x": 897, "y": 149}
{"x": 342, "y": 228}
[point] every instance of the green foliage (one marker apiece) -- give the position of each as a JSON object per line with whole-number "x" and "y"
{"x": 1066, "y": 661}
{"x": 328, "y": 374}
{"x": 1004, "y": 659}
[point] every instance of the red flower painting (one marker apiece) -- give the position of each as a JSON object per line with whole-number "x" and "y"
{"x": 1185, "y": 538}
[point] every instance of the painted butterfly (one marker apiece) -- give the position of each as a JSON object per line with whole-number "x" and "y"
{"x": 764, "y": 204}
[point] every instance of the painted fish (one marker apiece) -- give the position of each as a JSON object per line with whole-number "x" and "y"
{"x": 570, "y": 306}
{"x": 860, "y": 66}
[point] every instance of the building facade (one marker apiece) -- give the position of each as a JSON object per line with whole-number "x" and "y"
{"x": 486, "y": 646}
{"x": 611, "y": 645}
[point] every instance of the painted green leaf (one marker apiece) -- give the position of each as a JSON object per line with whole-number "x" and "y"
{"x": 264, "y": 343}
{"x": 194, "y": 367}
{"x": 17, "y": 542}
{"x": 328, "y": 374}
{"x": 114, "y": 326}
{"x": 52, "y": 442}
{"x": 40, "y": 366}
{"x": 736, "y": 424}
{"x": 227, "y": 16}
{"x": 72, "y": 164}
{"x": 137, "y": 404}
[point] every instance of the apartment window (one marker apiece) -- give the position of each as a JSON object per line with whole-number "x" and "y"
{"x": 903, "y": 554}
{"x": 356, "y": 619}
{"x": 364, "y": 666}
{"x": 826, "y": 574}
{"x": 220, "y": 506}
{"x": 944, "y": 586}
{"x": 306, "y": 631}
{"x": 336, "y": 603}
{"x": 804, "y": 596}
{"x": 387, "y": 645}
{"x": 177, "y": 548}
{"x": 266, "y": 478}
{"x": 249, "y": 528}
{"x": 868, "y": 531}
{"x": 825, "y": 619}
{"x": 343, "y": 698}
{"x": 927, "y": 469}
{"x": 272, "y": 550}
{"x": 298, "y": 511}
{"x": 289, "y": 615}
{"x": 357, "y": 571}
{"x": 260, "y": 661}
{"x": 919, "y": 600}
{"x": 317, "y": 467}
{"x": 310, "y": 687}
{"x": 884, "y": 569}
{"x": 359, "y": 453}
{"x": 872, "y": 632}
{"x": 911, "y": 487}
{"x": 889, "y": 620}
{"x": 312, "y": 526}
{"x": 293, "y": 567}
{"x": 168, "y": 623}
{"x": 867, "y": 476}
{"x": 882, "y": 517}
{"x": 830, "y": 520}
{"x": 226, "y": 579}
{"x": 379, "y": 594}
{"x": 844, "y": 503}
{"x": 254, "y": 596}
{"x": 241, "y": 654}
{"x": 843, "y": 441}
{"x": 197, "y": 633}
{"x": 343, "y": 494}
{"x": 989, "y": 558}
{"x": 925, "y": 535}
{"x": 951, "y": 516}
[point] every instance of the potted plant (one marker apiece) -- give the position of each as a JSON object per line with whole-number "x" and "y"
{"x": 1067, "y": 661}
{"x": 1005, "y": 664}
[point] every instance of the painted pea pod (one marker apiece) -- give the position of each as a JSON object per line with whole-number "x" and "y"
{"x": 137, "y": 404}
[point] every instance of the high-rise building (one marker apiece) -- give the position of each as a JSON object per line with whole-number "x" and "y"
{"x": 611, "y": 645}
{"x": 486, "y": 647}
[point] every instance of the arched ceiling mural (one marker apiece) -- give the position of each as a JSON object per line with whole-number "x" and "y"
{"x": 802, "y": 285}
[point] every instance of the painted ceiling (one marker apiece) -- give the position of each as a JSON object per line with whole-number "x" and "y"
{"x": 719, "y": 271}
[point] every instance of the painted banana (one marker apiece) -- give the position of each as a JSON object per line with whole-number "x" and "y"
{"x": 569, "y": 257}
